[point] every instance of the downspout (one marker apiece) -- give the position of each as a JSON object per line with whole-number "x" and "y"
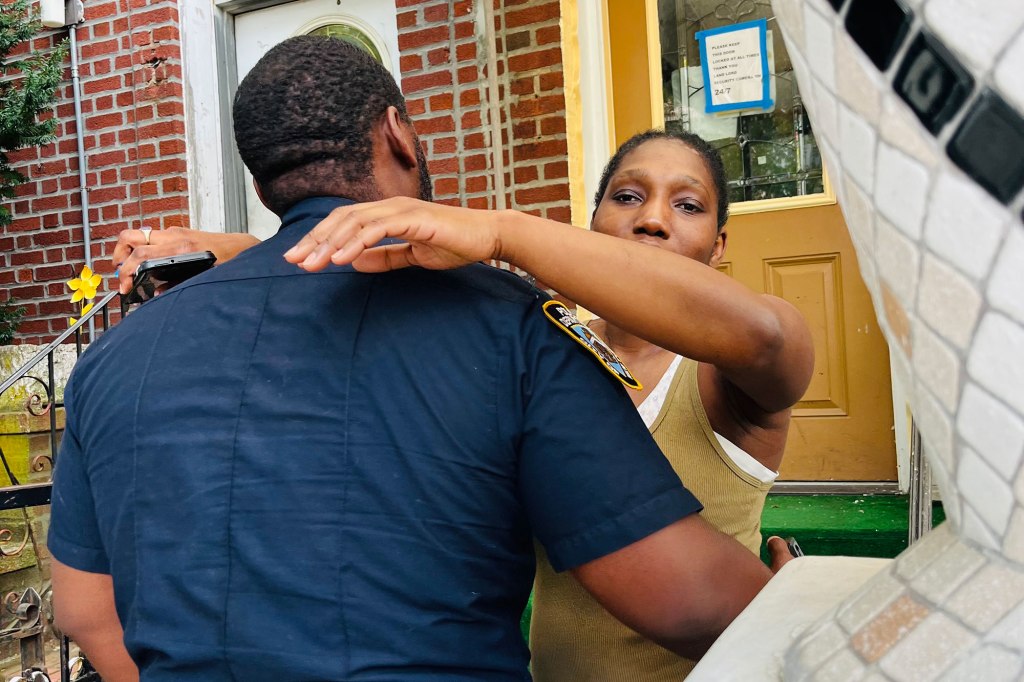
{"x": 80, "y": 141}
{"x": 68, "y": 14}
{"x": 75, "y": 15}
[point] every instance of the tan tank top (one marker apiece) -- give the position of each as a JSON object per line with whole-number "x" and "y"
{"x": 572, "y": 637}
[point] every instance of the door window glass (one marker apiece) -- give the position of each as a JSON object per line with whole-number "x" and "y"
{"x": 350, "y": 34}
{"x": 768, "y": 154}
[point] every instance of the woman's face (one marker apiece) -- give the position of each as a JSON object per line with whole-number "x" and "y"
{"x": 662, "y": 194}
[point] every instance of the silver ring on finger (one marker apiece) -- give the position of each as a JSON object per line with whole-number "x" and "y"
{"x": 145, "y": 232}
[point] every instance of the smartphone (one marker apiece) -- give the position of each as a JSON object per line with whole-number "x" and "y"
{"x": 160, "y": 274}
{"x": 794, "y": 547}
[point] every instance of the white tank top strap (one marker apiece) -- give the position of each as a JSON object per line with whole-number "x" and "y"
{"x": 655, "y": 400}
{"x": 746, "y": 461}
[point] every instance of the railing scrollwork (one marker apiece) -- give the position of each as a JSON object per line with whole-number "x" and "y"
{"x": 27, "y": 611}
{"x": 40, "y": 405}
{"x": 5, "y": 536}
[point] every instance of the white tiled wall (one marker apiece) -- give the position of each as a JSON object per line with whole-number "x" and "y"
{"x": 976, "y": 30}
{"x": 948, "y": 302}
{"x": 1006, "y": 287}
{"x": 1009, "y": 76}
{"x": 964, "y": 226}
{"x": 952, "y": 607}
{"x": 901, "y": 187}
{"x": 993, "y": 429}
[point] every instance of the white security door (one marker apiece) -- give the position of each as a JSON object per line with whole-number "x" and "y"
{"x": 367, "y": 23}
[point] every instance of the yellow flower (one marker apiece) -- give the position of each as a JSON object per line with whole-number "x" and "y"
{"x": 85, "y": 310}
{"x": 84, "y": 285}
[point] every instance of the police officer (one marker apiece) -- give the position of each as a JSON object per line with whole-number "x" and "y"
{"x": 271, "y": 474}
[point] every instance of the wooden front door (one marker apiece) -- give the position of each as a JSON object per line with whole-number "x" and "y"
{"x": 842, "y": 430}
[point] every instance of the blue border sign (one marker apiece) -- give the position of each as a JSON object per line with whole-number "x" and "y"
{"x": 716, "y": 94}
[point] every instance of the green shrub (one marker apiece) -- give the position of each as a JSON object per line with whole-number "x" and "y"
{"x": 28, "y": 88}
{"x": 10, "y": 317}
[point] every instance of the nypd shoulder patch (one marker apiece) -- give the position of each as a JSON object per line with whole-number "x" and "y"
{"x": 565, "y": 319}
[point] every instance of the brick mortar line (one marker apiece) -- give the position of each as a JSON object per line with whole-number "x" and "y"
{"x": 427, "y": 93}
{"x": 541, "y": 183}
{"x": 123, "y": 72}
{"x": 535, "y": 73}
{"x": 548, "y": 204}
{"x": 422, "y": 50}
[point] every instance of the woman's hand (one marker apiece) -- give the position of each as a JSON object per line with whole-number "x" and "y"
{"x": 436, "y": 237}
{"x": 135, "y": 246}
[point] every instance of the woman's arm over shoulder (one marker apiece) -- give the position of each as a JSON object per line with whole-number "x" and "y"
{"x": 760, "y": 343}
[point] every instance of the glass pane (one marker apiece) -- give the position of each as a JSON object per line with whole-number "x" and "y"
{"x": 767, "y": 154}
{"x": 350, "y": 34}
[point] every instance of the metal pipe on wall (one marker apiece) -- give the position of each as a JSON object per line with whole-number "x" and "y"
{"x": 83, "y": 189}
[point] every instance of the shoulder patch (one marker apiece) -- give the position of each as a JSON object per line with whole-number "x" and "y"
{"x": 566, "y": 320}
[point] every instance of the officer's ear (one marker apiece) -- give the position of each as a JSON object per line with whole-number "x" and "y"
{"x": 396, "y": 163}
{"x": 259, "y": 193}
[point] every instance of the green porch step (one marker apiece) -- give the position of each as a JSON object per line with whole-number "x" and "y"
{"x": 847, "y": 525}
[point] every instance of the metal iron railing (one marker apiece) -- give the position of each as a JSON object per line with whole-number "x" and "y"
{"x": 26, "y": 615}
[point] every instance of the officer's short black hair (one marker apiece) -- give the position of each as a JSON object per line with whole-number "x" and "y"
{"x": 712, "y": 159}
{"x": 303, "y": 117}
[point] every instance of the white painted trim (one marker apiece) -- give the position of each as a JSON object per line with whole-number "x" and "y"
{"x": 202, "y": 116}
{"x": 593, "y": 97}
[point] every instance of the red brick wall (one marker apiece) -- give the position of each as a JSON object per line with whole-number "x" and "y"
{"x": 445, "y": 79}
{"x": 531, "y": 57}
{"x": 440, "y": 62}
{"x": 133, "y": 111}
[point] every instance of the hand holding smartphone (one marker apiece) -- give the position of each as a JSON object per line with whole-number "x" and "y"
{"x": 159, "y": 274}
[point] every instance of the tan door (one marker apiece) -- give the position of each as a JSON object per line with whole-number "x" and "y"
{"x": 843, "y": 428}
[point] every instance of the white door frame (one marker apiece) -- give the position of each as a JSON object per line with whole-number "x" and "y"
{"x": 227, "y": 74}
{"x": 215, "y": 171}
{"x": 216, "y": 176}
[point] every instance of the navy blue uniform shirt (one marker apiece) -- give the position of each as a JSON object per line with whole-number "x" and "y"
{"x": 337, "y": 476}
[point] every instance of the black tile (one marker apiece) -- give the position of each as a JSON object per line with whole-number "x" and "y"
{"x": 932, "y": 82}
{"x": 989, "y": 146}
{"x": 878, "y": 27}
